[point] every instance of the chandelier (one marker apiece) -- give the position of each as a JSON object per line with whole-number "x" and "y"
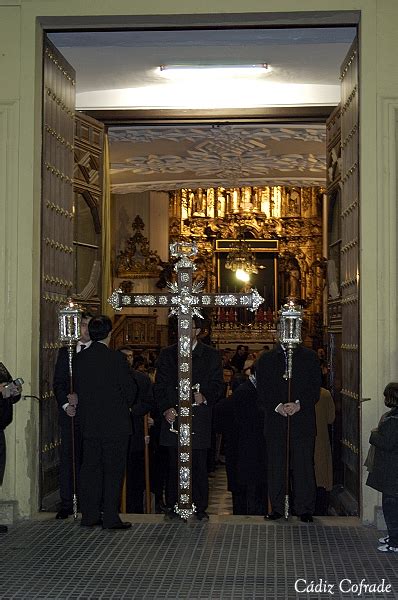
{"x": 241, "y": 260}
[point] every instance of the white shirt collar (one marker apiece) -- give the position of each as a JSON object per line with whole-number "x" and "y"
{"x": 80, "y": 344}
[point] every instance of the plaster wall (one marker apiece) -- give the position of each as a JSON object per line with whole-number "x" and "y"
{"x": 20, "y": 123}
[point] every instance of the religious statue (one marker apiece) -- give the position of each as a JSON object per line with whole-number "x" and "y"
{"x": 294, "y": 279}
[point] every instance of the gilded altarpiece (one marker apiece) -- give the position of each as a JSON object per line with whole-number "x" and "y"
{"x": 286, "y": 221}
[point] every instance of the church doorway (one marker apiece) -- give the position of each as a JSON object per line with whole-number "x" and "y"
{"x": 310, "y": 200}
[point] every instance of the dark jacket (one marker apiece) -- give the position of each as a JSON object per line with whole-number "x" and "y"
{"x": 206, "y": 370}
{"x": 143, "y": 403}
{"x": 6, "y": 404}
{"x": 6, "y": 412}
{"x": 61, "y": 385}
{"x": 384, "y": 474}
{"x": 272, "y": 389}
{"x": 251, "y": 455}
{"x": 103, "y": 384}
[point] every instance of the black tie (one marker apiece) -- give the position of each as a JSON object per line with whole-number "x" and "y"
{"x": 82, "y": 347}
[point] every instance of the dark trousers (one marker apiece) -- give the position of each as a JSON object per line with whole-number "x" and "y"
{"x": 390, "y": 511}
{"x": 66, "y": 463}
{"x": 2, "y": 455}
{"x": 301, "y": 473}
{"x": 135, "y": 484}
{"x": 250, "y": 499}
{"x": 200, "y": 482}
{"x": 101, "y": 478}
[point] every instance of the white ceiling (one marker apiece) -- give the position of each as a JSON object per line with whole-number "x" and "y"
{"x": 120, "y": 70}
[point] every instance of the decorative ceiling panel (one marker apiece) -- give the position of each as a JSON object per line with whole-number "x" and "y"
{"x": 168, "y": 158}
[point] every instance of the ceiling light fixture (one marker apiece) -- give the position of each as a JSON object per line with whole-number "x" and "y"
{"x": 208, "y": 70}
{"x": 260, "y": 66}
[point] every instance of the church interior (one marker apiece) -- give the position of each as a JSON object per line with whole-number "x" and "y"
{"x": 231, "y": 138}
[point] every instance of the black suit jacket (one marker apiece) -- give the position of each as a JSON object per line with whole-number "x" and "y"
{"x": 103, "y": 384}
{"x": 206, "y": 370}
{"x": 143, "y": 404}
{"x": 61, "y": 384}
{"x": 272, "y": 389}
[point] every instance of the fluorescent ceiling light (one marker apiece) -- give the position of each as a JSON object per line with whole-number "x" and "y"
{"x": 213, "y": 71}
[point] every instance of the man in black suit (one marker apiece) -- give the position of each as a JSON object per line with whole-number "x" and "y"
{"x": 10, "y": 393}
{"x": 143, "y": 404}
{"x": 207, "y": 371}
{"x": 66, "y": 411}
{"x": 104, "y": 395}
{"x": 272, "y": 388}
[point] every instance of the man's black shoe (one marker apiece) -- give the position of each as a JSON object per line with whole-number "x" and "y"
{"x": 170, "y": 515}
{"x": 273, "y": 516}
{"x": 202, "y": 515}
{"x": 3, "y": 528}
{"x": 95, "y": 524}
{"x": 306, "y": 518}
{"x": 121, "y": 525}
{"x": 63, "y": 514}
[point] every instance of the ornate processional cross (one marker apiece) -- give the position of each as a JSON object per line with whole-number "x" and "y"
{"x": 185, "y": 300}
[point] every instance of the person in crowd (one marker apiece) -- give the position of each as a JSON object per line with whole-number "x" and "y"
{"x": 10, "y": 393}
{"x": 383, "y": 475}
{"x": 272, "y": 388}
{"x": 143, "y": 404}
{"x": 251, "y": 463}
{"x": 238, "y": 359}
{"x": 227, "y": 435}
{"x": 227, "y": 354}
{"x": 140, "y": 364}
{"x": 68, "y": 427}
{"x": 104, "y": 395}
{"x": 325, "y": 415}
{"x": 251, "y": 357}
{"x": 324, "y": 367}
{"x": 206, "y": 371}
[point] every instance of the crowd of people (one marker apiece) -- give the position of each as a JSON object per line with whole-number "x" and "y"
{"x": 117, "y": 415}
{"x": 119, "y": 421}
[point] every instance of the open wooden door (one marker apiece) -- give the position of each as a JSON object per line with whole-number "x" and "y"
{"x": 343, "y": 280}
{"x": 56, "y": 247}
{"x": 70, "y": 233}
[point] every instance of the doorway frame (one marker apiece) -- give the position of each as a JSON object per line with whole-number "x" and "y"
{"x": 38, "y": 16}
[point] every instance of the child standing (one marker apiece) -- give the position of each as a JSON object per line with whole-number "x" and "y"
{"x": 383, "y": 474}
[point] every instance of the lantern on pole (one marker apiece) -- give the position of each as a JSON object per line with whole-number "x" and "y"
{"x": 69, "y": 318}
{"x": 290, "y": 337}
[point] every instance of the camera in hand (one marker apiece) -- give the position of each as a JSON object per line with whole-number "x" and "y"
{"x": 18, "y": 381}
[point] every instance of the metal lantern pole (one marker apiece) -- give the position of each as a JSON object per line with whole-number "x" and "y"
{"x": 290, "y": 338}
{"x": 69, "y": 318}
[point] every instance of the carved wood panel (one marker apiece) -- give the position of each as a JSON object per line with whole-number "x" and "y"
{"x": 88, "y": 190}
{"x": 349, "y": 271}
{"x": 56, "y": 245}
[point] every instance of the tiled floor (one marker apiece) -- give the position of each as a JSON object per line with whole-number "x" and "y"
{"x": 228, "y": 558}
{"x": 49, "y": 559}
{"x": 220, "y": 500}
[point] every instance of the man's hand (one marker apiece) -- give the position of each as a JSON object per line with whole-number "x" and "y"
{"x": 170, "y": 415}
{"x": 150, "y": 421}
{"x": 291, "y": 408}
{"x": 70, "y": 410}
{"x": 72, "y": 399}
{"x": 8, "y": 390}
{"x": 199, "y": 398}
{"x": 281, "y": 410}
